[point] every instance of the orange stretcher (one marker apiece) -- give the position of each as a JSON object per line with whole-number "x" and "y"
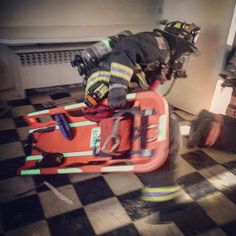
{"x": 134, "y": 140}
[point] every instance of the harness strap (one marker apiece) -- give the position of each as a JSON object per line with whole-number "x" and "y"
{"x": 144, "y": 127}
{"x": 64, "y": 126}
{"x": 143, "y": 133}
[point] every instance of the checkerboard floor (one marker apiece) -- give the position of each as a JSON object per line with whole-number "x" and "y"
{"x": 108, "y": 204}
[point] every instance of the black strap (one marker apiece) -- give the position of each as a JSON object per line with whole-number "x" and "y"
{"x": 143, "y": 131}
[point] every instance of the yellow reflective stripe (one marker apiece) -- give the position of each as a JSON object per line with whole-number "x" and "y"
{"x": 159, "y": 199}
{"x": 98, "y": 73}
{"x": 94, "y": 74}
{"x": 131, "y": 95}
{"x": 177, "y": 25}
{"x": 141, "y": 75}
{"x": 89, "y": 85}
{"x": 122, "y": 67}
{"x": 121, "y": 75}
{"x": 161, "y": 189}
{"x": 121, "y": 71}
{"x": 142, "y": 78}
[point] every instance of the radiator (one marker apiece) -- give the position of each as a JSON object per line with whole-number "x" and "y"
{"x": 40, "y": 67}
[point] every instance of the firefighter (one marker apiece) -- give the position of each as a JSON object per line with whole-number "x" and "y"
{"x": 216, "y": 130}
{"x": 142, "y": 59}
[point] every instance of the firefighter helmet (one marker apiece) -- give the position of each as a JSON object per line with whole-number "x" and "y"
{"x": 181, "y": 36}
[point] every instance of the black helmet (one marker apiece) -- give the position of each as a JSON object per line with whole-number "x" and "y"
{"x": 181, "y": 36}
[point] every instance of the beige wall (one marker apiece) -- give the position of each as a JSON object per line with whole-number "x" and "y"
{"x": 75, "y": 18}
{"x": 214, "y": 16}
{"x": 75, "y": 12}
{"x": 65, "y": 21}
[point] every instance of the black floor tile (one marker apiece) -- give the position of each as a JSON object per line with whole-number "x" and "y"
{"x": 196, "y": 185}
{"x": 199, "y": 159}
{"x": 5, "y": 113}
{"x": 230, "y": 228}
{"x": 93, "y": 190}
{"x": 39, "y": 107}
{"x": 26, "y": 147}
{"x": 135, "y": 206}
{"x": 20, "y": 212}
{"x": 161, "y": 175}
{"x": 20, "y": 122}
{"x": 8, "y": 136}
{"x": 74, "y": 223}
{"x": 19, "y": 102}
{"x": 59, "y": 95}
{"x": 231, "y": 166}
{"x": 191, "y": 219}
{"x": 55, "y": 180}
{"x": 230, "y": 193}
{"x": 8, "y": 168}
{"x": 128, "y": 230}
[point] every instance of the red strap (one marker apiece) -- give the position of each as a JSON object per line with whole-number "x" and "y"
{"x": 98, "y": 113}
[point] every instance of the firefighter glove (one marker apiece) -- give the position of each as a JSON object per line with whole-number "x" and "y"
{"x": 117, "y": 96}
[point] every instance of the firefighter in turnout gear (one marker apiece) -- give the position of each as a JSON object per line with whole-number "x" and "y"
{"x": 216, "y": 130}
{"x": 142, "y": 59}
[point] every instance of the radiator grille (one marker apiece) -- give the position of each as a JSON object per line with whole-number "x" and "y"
{"x": 46, "y": 58}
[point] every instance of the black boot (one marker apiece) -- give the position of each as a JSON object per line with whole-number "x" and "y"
{"x": 200, "y": 129}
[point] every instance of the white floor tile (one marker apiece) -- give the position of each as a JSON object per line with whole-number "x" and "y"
{"x": 10, "y": 188}
{"x": 53, "y": 206}
{"x": 123, "y": 183}
{"x": 220, "y": 177}
{"x": 11, "y": 150}
{"x": 107, "y": 215}
{"x": 219, "y": 208}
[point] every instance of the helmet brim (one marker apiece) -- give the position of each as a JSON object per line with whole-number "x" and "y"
{"x": 190, "y": 47}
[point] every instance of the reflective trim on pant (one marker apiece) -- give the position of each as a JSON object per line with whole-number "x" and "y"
{"x": 160, "y": 194}
{"x": 233, "y": 101}
{"x": 231, "y": 112}
{"x": 213, "y": 134}
{"x": 121, "y": 71}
